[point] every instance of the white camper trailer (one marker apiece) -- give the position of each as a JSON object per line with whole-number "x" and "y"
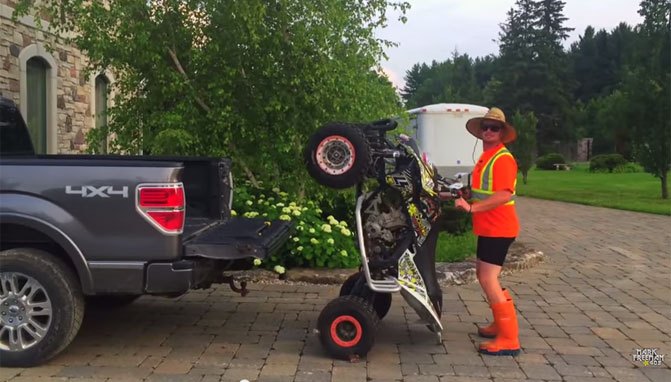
{"x": 440, "y": 130}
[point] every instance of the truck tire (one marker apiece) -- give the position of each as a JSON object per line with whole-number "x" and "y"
{"x": 41, "y": 307}
{"x": 338, "y": 156}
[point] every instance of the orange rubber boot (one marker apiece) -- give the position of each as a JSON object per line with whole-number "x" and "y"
{"x": 490, "y": 330}
{"x": 506, "y": 341}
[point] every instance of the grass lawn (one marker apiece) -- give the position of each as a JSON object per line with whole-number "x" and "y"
{"x": 626, "y": 191}
{"x": 455, "y": 248}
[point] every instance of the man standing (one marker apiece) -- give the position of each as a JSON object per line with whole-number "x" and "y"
{"x": 496, "y": 224}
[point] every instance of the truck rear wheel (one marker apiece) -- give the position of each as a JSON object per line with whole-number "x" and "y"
{"x": 41, "y": 307}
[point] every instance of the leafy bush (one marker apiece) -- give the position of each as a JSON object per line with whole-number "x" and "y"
{"x": 547, "y": 162}
{"x": 454, "y": 221}
{"x": 628, "y": 168}
{"x": 454, "y": 248}
{"x": 317, "y": 241}
{"x": 606, "y": 162}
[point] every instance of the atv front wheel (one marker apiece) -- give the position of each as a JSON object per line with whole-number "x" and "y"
{"x": 338, "y": 156}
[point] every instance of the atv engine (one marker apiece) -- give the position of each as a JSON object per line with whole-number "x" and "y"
{"x": 383, "y": 219}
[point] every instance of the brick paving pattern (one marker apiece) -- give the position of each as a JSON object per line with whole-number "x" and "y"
{"x": 603, "y": 291}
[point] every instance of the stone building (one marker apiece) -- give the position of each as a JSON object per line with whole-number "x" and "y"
{"x": 58, "y": 101}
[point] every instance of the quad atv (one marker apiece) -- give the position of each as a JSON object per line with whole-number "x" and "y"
{"x": 395, "y": 224}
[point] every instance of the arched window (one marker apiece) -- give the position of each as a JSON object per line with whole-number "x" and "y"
{"x": 101, "y": 105}
{"x": 37, "y": 97}
{"x": 36, "y": 86}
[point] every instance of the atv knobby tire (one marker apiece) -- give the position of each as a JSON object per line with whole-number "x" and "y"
{"x": 338, "y": 156}
{"x": 381, "y": 301}
{"x": 42, "y": 306}
{"x": 347, "y": 327}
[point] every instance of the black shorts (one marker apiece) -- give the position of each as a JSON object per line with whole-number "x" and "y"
{"x": 493, "y": 250}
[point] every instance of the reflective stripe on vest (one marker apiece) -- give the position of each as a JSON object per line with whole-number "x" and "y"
{"x": 487, "y": 179}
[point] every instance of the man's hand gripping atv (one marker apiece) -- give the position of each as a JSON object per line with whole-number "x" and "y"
{"x": 395, "y": 224}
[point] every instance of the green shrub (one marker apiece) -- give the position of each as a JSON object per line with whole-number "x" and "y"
{"x": 317, "y": 241}
{"x": 605, "y": 162}
{"x": 628, "y": 168}
{"x": 453, "y": 220}
{"x": 547, "y": 161}
{"x": 454, "y": 248}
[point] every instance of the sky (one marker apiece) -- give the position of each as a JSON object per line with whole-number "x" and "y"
{"x": 435, "y": 28}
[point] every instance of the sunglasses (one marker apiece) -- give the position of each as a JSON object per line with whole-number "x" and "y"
{"x": 491, "y": 127}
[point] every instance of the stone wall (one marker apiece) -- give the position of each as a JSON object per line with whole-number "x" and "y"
{"x": 74, "y": 91}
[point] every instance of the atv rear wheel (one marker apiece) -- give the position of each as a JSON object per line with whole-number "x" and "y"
{"x": 381, "y": 301}
{"x": 338, "y": 156}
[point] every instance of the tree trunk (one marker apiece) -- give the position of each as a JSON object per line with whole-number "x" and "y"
{"x": 524, "y": 176}
{"x": 665, "y": 186}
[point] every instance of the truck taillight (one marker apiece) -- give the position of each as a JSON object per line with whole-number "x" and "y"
{"x": 161, "y": 197}
{"x": 162, "y": 205}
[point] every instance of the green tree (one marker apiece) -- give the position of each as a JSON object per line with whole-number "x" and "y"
{"x": 413, "y": 81}
{"x": 532, "y": 73}
{"x": 246, "y": 79}
{"x": 524, "y": 147}
{"x": 648, "y": 86}
{"x": 598, "y": 60}
{"x": 453, "y": 80}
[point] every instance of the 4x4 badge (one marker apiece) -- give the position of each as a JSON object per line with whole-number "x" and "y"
{"x": 93, "y": 191}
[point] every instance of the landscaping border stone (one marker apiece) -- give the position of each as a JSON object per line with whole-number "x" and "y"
{"x": 520, "y": 257}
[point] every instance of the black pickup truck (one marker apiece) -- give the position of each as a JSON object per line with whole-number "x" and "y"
{"x": 75, "y": 228}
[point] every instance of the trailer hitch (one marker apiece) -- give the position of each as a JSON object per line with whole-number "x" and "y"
{"x": 231, "y": 280}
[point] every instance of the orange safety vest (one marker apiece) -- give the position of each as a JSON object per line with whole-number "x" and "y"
{"x": 501, "y": 221}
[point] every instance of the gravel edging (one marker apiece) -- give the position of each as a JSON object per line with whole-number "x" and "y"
{"x": 519, "y": 257}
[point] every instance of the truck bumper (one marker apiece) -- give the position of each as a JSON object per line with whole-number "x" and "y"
{"x": 169, "y": 277}
{"x": 136, "y": 278}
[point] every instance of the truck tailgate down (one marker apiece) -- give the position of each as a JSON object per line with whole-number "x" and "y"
{"x": 239, "y": 238}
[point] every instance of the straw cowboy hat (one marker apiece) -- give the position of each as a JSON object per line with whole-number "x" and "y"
{"x": 493, "y": 114}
